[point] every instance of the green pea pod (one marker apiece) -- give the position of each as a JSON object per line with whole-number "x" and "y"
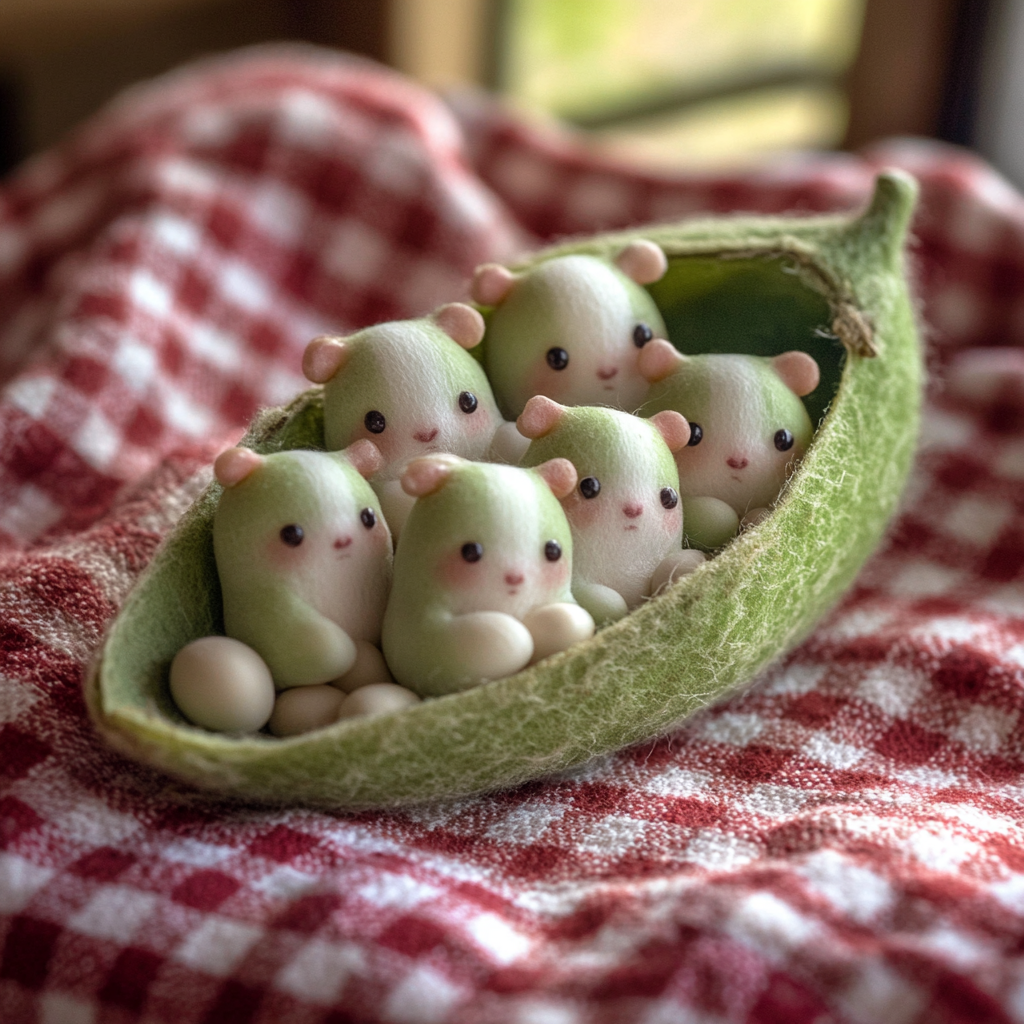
{"x": 833, "y": 286}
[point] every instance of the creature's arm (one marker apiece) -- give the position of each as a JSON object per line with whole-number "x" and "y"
{"x": 300, "y": 646}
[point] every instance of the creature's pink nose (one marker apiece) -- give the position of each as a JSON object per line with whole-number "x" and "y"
{"x": 342, "y": 542}
{"x": 633, "y": 510}
{"x": 736, "y": 462}
{"x": 607, "y": 372}
{"x": 513, "y": 579}
{"x": 426, "y": 435}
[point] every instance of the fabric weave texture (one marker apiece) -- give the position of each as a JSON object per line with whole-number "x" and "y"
{"x": 841, "y": 842}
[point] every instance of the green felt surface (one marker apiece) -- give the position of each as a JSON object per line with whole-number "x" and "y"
{"x": 712, "y": 632}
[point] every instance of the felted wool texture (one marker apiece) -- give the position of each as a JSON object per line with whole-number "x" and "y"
{"x": 840, "y": 840}
{"x": 635, "y": 679}
{"x": 632, "y": 464}
{"x": 302, "y": 614}
{"x": 512, "y": 514}
{"x": 589, "y": 306}
{"x": 412, "y": 373}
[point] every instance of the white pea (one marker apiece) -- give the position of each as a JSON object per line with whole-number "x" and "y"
{"x": 305, "y": 708}
{"x": 377, "y": 699}
{"x": 369, "y": 667}
{"x": 221, "y": 684}
{"x": 554, "y": 627}
{"x": 674, "y": 567}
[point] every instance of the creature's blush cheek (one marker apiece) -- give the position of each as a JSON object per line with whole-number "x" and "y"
{"x": 281, "y": 556}
{"x": 672, "y": 519}
{"x": 697, "y": 459}
{"x": 542, "y": 380}
{"x": 453, "y": 572}
{"x": 581, "y": 512}
{"x": 555, "y": 574}
{"x": 385, "y": 441}
{"x": 478, "y": 422}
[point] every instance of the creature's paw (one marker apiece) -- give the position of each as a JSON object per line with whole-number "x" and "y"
{"x": 554, "y": 627}
{"x": 490, "y": 645}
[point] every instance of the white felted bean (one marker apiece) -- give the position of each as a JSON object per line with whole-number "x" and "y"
{"x": 305, "y": 708}
{"x": 554, "y": 627}
{"x": 377, "y": 699}
{"x": 223, "y": 685}
{"x": 369, "y": 667}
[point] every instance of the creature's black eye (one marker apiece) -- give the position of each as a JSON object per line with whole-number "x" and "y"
{"x": 468, "y": 402}
{"x": 369, "y": 518}
{"x": 292, "y": 535}
{"x": 558, "y": 358}
{"x": 375, "y": 422}
{"x": 552, "y": 551}
{"x": 696, "y": 435}
{"x": 472, "y": 552}
{"x": 669, "y": 498}
{"x": 641, "y": 335}
{"x": 783, "y": 440}
{"x": 590, "y": 487}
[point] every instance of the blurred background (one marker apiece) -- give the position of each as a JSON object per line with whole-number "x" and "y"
{"x": 681, "y": 83}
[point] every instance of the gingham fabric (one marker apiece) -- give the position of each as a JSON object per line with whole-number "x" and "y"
{"x": 842, "y": 842}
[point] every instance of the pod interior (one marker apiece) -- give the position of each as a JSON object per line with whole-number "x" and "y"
{"x": 760, "y": 307}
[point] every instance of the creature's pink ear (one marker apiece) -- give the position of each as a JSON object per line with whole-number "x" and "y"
{"x": 798, "y": 370}
{"x": 427, "y": 474}
{"x": 560, "y": 475}
{"x": 234, "y": 465}
{"x": 491, "y": 283}
{"x": 462, "y": 323}
{"x": 673, "y": 428}
{"x": 539, "y": 417}
{"x": 324, "y": 357}
{"x": 658, "y": 359}
{"x": 365, "y": 456}
{"x": 642, "y": 261}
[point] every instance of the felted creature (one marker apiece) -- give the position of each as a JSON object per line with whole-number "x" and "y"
{"x": 748, "y": 428}
{"x": 571, "y": 328}
{"x": 483, "y": 574}
{"x": 412, "y": 388}
{"x": 625, "y": 512}
{"x": 304, "y": 559}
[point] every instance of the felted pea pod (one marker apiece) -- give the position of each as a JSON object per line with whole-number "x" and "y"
{"x": 833, "y": 286}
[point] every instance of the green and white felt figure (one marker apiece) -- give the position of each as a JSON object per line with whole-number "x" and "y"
{"x": 304, "y": 558}
{"x": 412, "y": 388}
{"x": 571, "y": 328}
{"x": 625, "y": 513}
{"x": 483, "y": 574}
{"x": 748, "y": 428}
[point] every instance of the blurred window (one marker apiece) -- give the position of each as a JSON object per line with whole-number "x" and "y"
{"x": 683, "y": 81}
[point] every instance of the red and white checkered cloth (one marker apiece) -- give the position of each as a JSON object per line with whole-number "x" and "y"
{"x": 843, "y": 842}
